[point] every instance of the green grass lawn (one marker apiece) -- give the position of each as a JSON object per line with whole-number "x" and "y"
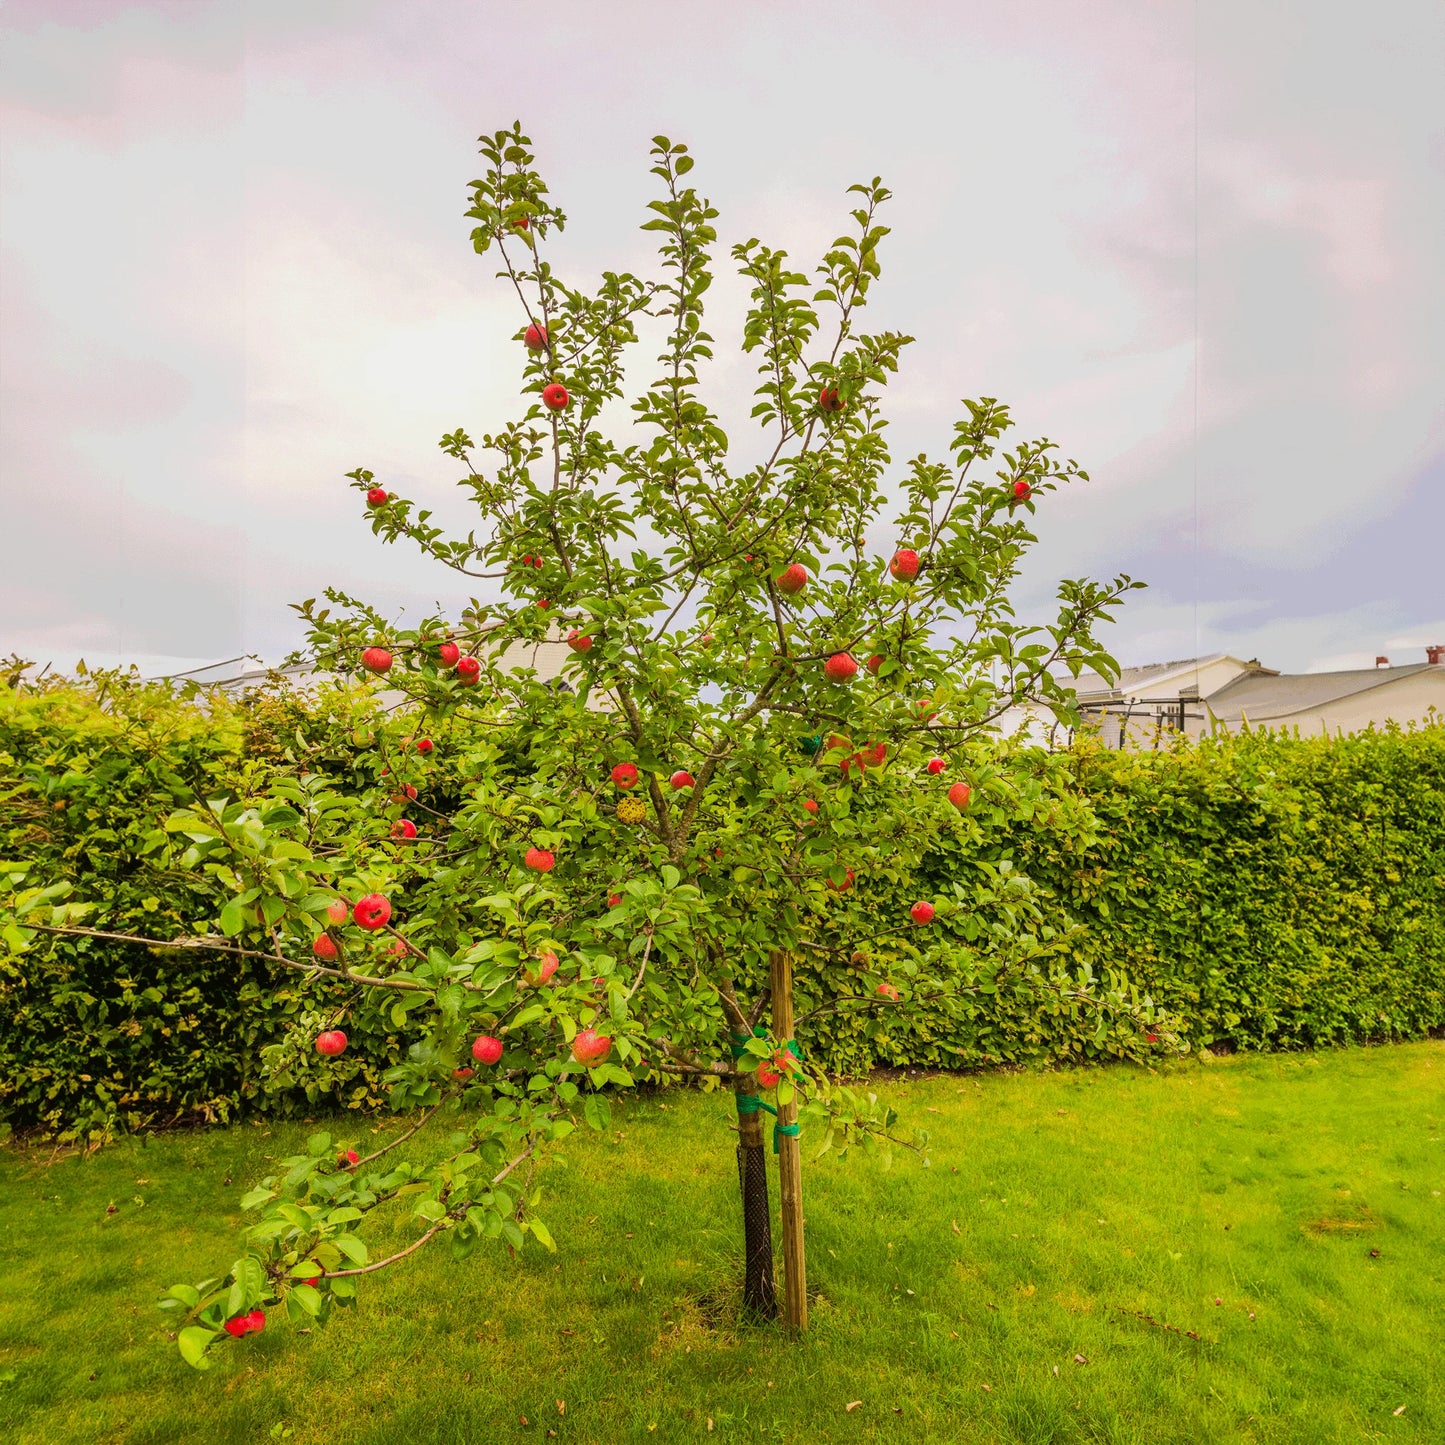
{"x": 1052, "y": 1277}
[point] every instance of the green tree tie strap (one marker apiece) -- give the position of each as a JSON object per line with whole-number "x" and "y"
{"x": 791, "y": 1130}
{"x": 751, "y": 1104}
{"x": 739, "y": 1049}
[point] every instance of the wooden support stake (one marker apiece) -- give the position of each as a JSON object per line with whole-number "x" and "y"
{"x": 790, "y": 1163}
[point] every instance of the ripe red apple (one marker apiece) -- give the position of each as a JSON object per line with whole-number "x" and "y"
{"x": 347, "y": 1158}
{"x": 921, "y": 912}
{"x": 539, "y": 860}
{"x": 888, "y": 991}
{"x": 377, "y": 497}
{"x": 405, "y": 793}
{"x": 521, "y": 223}
{"x": 590, "y": 1047}
{"x": 840, "y": 667}
{"x": 682, "y": 779}
{"x": 448, "y": 653}
{"x": 829, "y": 399}
{"x": 877, "y": 754}
{"x": 324, "y": 946}
{"x": 1151, "y": 1038}
{"x": 958, "y": 795}
{"x": 338, "y": 910}
{"x": 624, "y": 775}
{"x": 613, "y": 899}
{"x": 372, "y": 912}
{"x": 486, "y": 1049}
{"x": 544, "y": 603}
{"x": 875, "y": 662}
{"x": 237, "y": 1326}
{"x": 397, "y": 948}
{"x": 904, "y": 566}
{"x": 536, "y": 337}
{"x": 331, "y": 1043}
{"x": 845, "y": 885}
{"x": 554, "y": 397}
{"x": 425, "y": 746}
{"x": 936, "y": 766}
{"x": 403, "y": 829}
{"x": 468, "y": 671}
{"x": 376, "y": 659}
{"x": 1022, "y": 491}
{"x": 810, "y": 804}
{"x": 793, "y": 580}
{"x": 546, "y": 967}
{"x": 578, "y": 642}
{"x": 706, "y": 640}
{"x": 463, "y": 1073}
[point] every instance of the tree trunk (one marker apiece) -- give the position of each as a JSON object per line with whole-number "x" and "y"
{"x": 759, "y": 1297}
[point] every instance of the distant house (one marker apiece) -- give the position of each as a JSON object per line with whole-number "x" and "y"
{"x": 1199, "y": 695}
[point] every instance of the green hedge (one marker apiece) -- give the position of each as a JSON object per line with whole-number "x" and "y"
{"x": 1270, "y": 892}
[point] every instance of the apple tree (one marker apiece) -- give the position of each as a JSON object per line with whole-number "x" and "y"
{"x": 669, "y": 858}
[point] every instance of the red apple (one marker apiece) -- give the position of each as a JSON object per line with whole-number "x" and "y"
{"x": 921, "y": 912}
{"x": 347, "y": 1158}
{"x": 486, "y": 1049}
{"x": 578, "y": 642}
{"x": 810, "y": 804}
{"x": 521, "y": 223}
{"x": 958, "y": 795}
{"x": 405, "y": 793}
{"x": 681, "y": 779}
{"x": 1022, "y": 491}
{"x": 544, "y": 603}
{"x": 397, "y": 948}
{"x": 338, "y": 910}
{"x": 331, "y": 1043}
{"x": 875, "y": 662}
{"x": 448, "y": 653}
{"x": 936, "y": 766}
{"x": 468, "y": 671}
{"x": 840, "y": 667}
{"x": 372, "y": 912}
{"x": 845, "y": 885}
{"x": 425, "y": 746}
{"x": 613, "y": 899}
{"x": 829, "y": 399}
{"x": 237, "y": 1326}
{"x": 463, "y": 1073}
{"x": 324, "y": 946}
{"x": 624, "y": 775}
{"x": 536, "y": 337}
{"x": 376, "y": 659}
{"x": 539, "y": 860}
{"x": 546, "y": 967}
{"x": 590, "y": 1047}
{"x": 377, "y": 497}
{"x": 403, "y": 829}
{"x": 888, "y": 991}
{"x": 1151, "y": 1038}
{"x": 538, "y": 563}
{"x": 904, "y": 566}
{"x": 793, "y": 580}
{"x": 554, "y": 397}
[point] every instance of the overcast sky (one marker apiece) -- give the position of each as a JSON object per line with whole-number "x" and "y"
{"x": 1202, "y": 251}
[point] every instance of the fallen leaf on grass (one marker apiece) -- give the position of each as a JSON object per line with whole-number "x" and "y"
{"x": 1399, "y": 1410}
{"x": 1080, "y": 1360}
{"x": 852, "y": 1405}
{"x": 956, "y": 1229}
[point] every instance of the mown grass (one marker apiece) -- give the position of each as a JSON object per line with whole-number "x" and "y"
{"x": 1093, "y": 1214}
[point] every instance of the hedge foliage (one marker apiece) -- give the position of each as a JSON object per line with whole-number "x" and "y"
{"x": 1271, "y": 892}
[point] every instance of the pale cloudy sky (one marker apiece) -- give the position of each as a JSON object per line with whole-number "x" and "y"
{"x": 235, "y": 266}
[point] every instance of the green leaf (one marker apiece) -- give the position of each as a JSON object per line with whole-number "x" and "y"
{"x": 194, "y": 1341}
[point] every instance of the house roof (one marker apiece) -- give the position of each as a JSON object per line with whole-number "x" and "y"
{"x": 1153, "y": 676}
{"x": 1261, "y": 697}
